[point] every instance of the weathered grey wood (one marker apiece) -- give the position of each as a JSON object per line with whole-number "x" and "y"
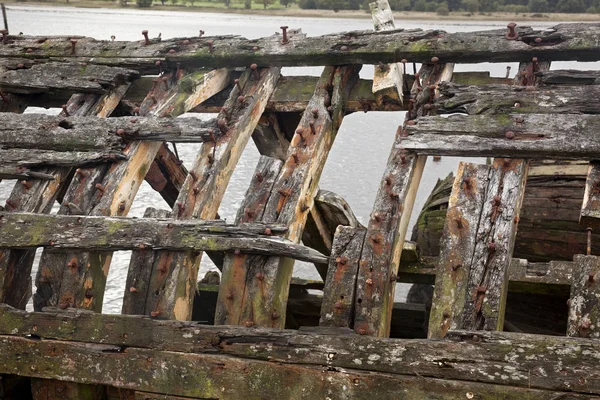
{"x": 562, "y": 42}
{"x": 584, "y": 314}
{"x": 590, "y": 207}
{"x": 456, "y": 248}
{"x": 267, "y": 284}
{"x": 539, "y": 136}
{"x": 382, "y": 248}
{"x": 23, "y": 173}
{"x": 26, "y": 158}
{"x": 26, "y": 230}
{"x": 174, "y": 274}
{"x": 337, "y": 307}
{"x": 335, "y": 210}
{"x": 65, "y": 78}
{"x": 488, "y": 275}
{"x": 498, "y": 99}
{"x": 387, "y": 79}
{"x": 125, "y": 344}
{"x": 569, "y": 77}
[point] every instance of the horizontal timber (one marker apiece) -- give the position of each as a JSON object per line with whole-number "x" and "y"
{"x": 563, "y": 42}
{"x": 535, "y": 136}
{"x": 119, "y": 346}
{"x": 24, "y": 230}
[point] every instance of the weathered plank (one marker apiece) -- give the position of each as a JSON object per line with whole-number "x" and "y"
{"x": 590, "y": 207}
{"x": 65, "y": 78}
{"x": 562, "y": 42}
{"x": 27, "y": 230}
{"x": 266, "y": 289}
{"x": 535, "y": 136}
{"x": 498, "y": 99}
{"x": 26, "y": 158}
{"x": 569, "y": 77}
{"x": 584, "y": 314}
{"x": 387, "y": 79}
{"x": 24, "y": 173}
{"x": 380, "y": 258}
{"x": 457, "y": 245}
{"x": 337, "y": 307}
{"x": 174, "y": 274}
{"x": 166, "y": 174}
{"x": 131, "y": 345}
{"x": 488, "y": 276}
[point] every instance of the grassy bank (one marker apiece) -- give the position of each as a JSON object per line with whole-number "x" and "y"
{"x": 295, "y": 11}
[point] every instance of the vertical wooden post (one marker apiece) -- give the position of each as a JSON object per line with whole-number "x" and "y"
{"x": 584, "y": 304}
{"x": 174, "y": 274}
{"x": 267, "y": 279}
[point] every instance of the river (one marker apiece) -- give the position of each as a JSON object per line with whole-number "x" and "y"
{"x": 356, "y": 162}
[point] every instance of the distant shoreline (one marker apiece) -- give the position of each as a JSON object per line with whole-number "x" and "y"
{"x": 297, "y": 12}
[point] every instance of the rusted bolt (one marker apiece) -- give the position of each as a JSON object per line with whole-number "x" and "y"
{"x": 100, "y": 187}
{"x": 241, "y": 99}
{"x": 315, "y": 113}
{"x": 200, "y": 33}
{"x": 26, "y": 184}
{"x": 249, "y": 324}
{"x": 538, "y": 40}
{"x": 249, "y": 214}
{"x": 377, "y": 217}
{"x": 64, "y": 110}
{"x": 210, "y": 44}
{"x": 72, "y": 264}
{"x": 268, "y": 231}
{"x": 222, "y": 124}
{"x": 517, "y": 105}
{"x": 132, "y": 290}
{"x": 20, "y": 66}
{"x": 534, "y": 61}
{"x": 155, "y": 314}
{"x": 237, "y": 84}
{"x": 122, "y": 206}
{"x": 388, "y": 181}
{"x": 73, "y": 43}
{"x": 509, "y": 135}
{"x": 491, "y": 247}
{"x": 481, "y": 289}
{"x": 254, "y": 69}
{"x": 418, "y": 80}
{"x": 120, "y": 132}
{"x": 497, "y": 200}
{"x": 29, "y": 51}
{"x": 89, "y": 293}
{"x": 344, "y": 48}
{"x": 360, "y": 331}
{"x": 284, "y": 33}
{"x": 512, "y": 32}
{"x": 112, "y": 37}
{"x": 435, "y": 60}
{"x": 341, "y": 260}
{"x": 146, "y": 40}
{"x": 402, "y": 159}
{"x": 4, "y": 33}
{"x": 237, "y": 252}
{"x": 284, "y": 192}
{"x": 171, "y": 51}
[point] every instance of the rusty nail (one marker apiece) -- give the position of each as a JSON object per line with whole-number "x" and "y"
{"x": 100, "y": 187}
{"x": 132, "y": 290}
{"x": 274, "y": 315}
{"x": 200, "y": 33}
{"x": 435, "y": 60}
{"x": 249, "y": 214}
{"x": 254, "y": 69}
{"x": 20, "y": 65}
{"x": 171, "y": 51}
{"x": 146, "y": 40}
{"x": 120, "y": 132}
{"x": 164, "y": 80}
{"x": 180, "y": 207}
{"x": 268, "y": 231}
{"x": 497, "y": 200}
{"x": 73, "y": 43}
{"x": 29, "y": 50}
{"x": 507, "y": 71}
{"x": 237, "y": 84}
{"x": 155, "y": 314}
{"x": 512, "y": 33}
{"x": 249, "y": 324}
{"x": 418, "y": 80}
{"x": 300, "y": 133}
{"x": 341, "y": 260}
{"x": 194, "y": 175}
{"x": 534, "y": 61}
{"x": 112, "y": 37}
{"x": 65, "y": 111}
{"x": 196, "y": 191}
{"x": 241, "y": 99}
{"x": 4, "y": 36}
{"x": 344, "y": 48}
{"x": 26, "y": 184}
{"x": 229, "y": 296}
{"x": 222, "y": 124}
{"x": 377, "y": 217}
{"x": 122, "y": 206}
{"x": 259, "y": 177}
{"x": 403, "y": 159}
{"x": 254, "y": 48}
{"x": 51, "y": 243}
{"x": 509, "y": 135}
{"x": 388, "y": 181}
{"x": 210, "y": 44}
{"x": 284, "y": 33}
{"x": 361, "y": 331}
{"x": 369, "y": 281}
{"x": 538, "y": 40}
{"x": 481, "y": 289}
{"x": 589, "y": 241}
{"x": 376, "y": 239}
{"x": 338, "y": 305}
{"x": 492, "y": 247}
{"x": 89, "y": 293}
{"x": 312, "y": 128}
{"x": 11, "y": 203}
{"x": 284, "y": 192}
{"x": 72, "y": 264}
{"x": 260, "y": 276}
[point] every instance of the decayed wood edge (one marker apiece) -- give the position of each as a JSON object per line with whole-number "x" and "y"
{"x": 387, "y": 79}
{"x": 26, "y": 158}
{"x": 23, "y": 173}
{"x": 39, "y": 196}
{"x": 456, "y": 249}
{"x": 569, "y": 77}
{"x": 584, "y": 311}
{"x": 488, "y": 276}
{"x": 166, "y": 175}
{"x": 538, "y": 136}
{"x": 562, "y": 42}
{"x": 293, "y": 194}
{"x": 384, "y": 241}
{"x": 235, "y": 272}
{"x": 28, "y": 230}
{"x": 123, "y": 347}
{"x": 339, "y": 292}
{"x": 65, "y": 78}
{"x": 203, "y": 190}
{"x": 590, "y": 207}
{"x": 497, "y": 99}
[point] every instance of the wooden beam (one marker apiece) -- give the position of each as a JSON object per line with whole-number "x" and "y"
{"x": 203, "y": 190}
{"x": 562, "y": 42}
{"x": 584, "y": 315}
{"x": 388, "y": 78}
{"x": 64, "y": 78}
{"x": 266, "y": 289}
{"x": 133, "y": 348}
{"x": 569, "y": 77}
{"x": 26, "y": 158}
{"x": 337, "y": 308}
{"x": 590, "y": 208}
{"x": 538, "y": 136}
